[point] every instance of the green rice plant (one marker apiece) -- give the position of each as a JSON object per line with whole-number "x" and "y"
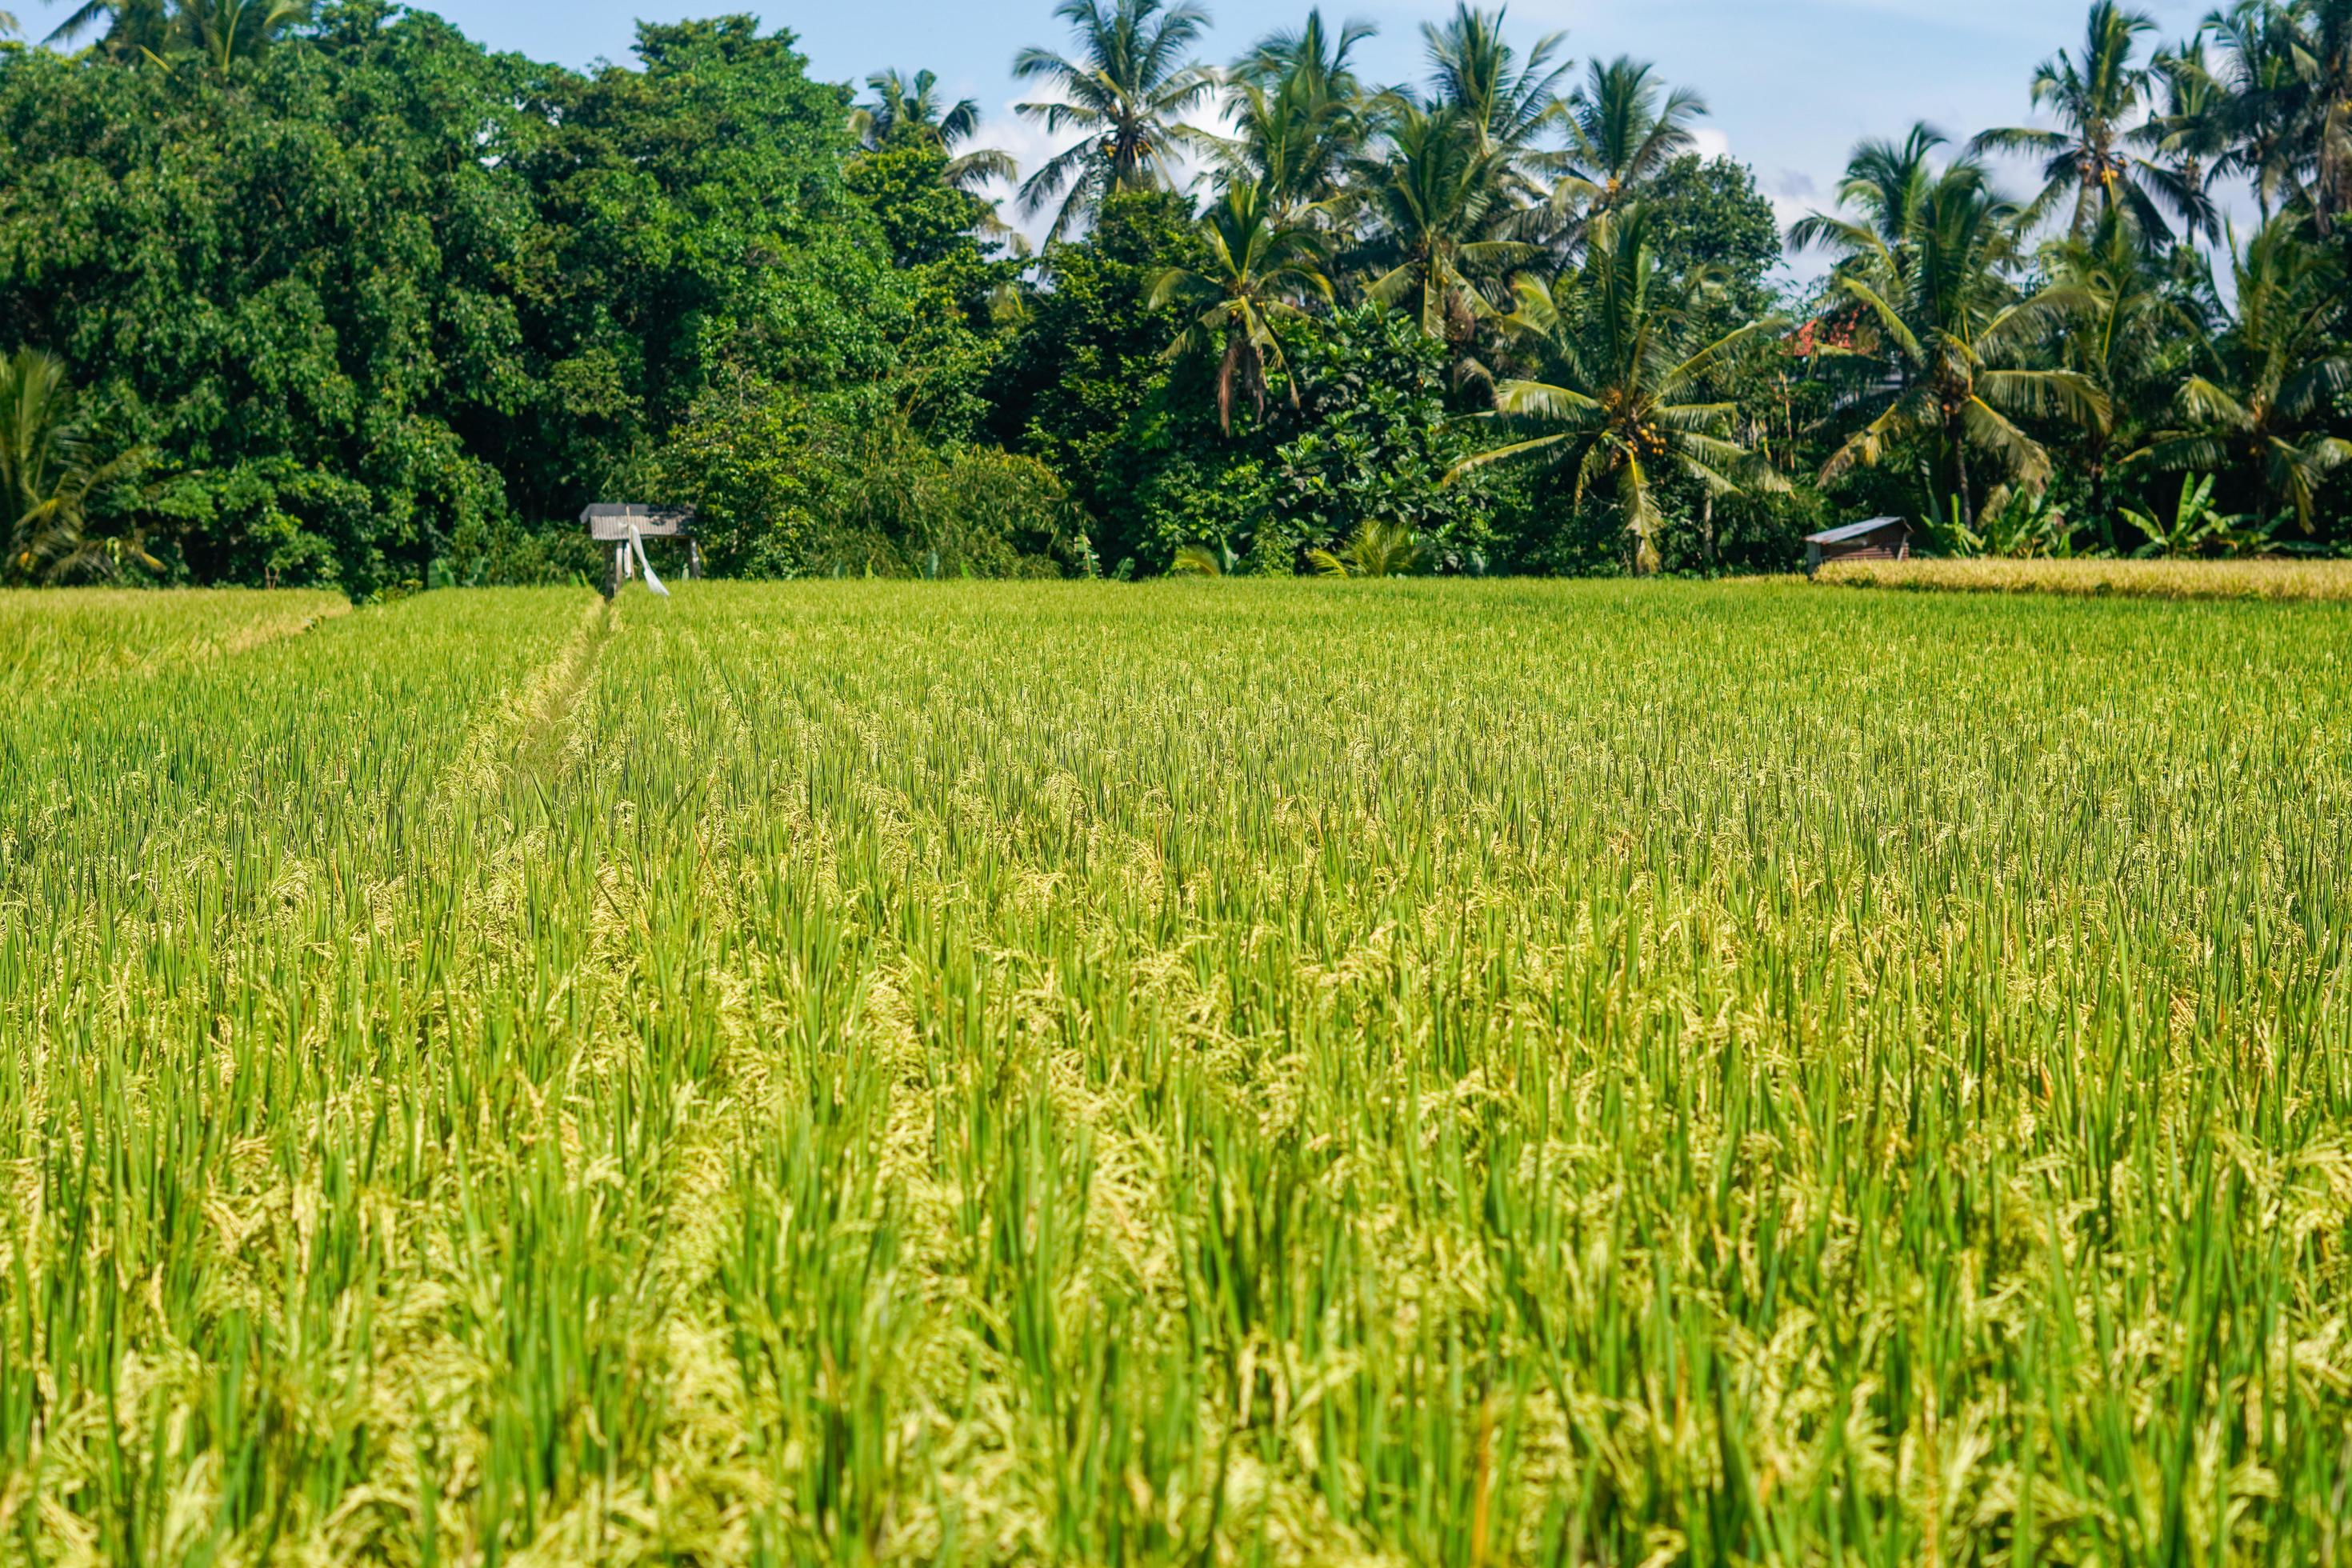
{"x": 51, "y": 639}
{"x": 1466, "y": 1073}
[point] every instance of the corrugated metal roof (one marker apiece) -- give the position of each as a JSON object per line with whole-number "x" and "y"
{"x": 1854, "y": 531}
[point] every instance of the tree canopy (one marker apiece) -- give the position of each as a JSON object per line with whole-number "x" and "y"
{"x": 334, "y": 294}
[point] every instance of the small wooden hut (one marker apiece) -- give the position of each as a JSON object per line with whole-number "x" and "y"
{"x": 614, "y": 524}
{"x": 1879, "y": 538}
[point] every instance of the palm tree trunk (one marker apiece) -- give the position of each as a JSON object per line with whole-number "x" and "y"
{"x": 2099, "y": 498}
{"x": 1706, "y": 529}
{"x": 2265, "y": 486}
{"x": 1961, "y": 478}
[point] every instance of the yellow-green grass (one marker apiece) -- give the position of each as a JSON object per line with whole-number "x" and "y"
{"x": 2266, "y": 579}
{"x": 50, "y": 638}
{"x": 1213, "y": 1073}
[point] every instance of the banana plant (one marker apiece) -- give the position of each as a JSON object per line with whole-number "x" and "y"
{"x": 2023, "y": 524}
{"x": 2195, "y": 523}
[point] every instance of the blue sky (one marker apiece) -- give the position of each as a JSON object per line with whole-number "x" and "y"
{"x": 1793, "y": 83}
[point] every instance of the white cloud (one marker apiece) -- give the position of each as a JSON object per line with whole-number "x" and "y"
{"x": 1032, "y": 145}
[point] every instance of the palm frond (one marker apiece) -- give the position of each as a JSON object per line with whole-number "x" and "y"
{"x": 1986, "y": 427}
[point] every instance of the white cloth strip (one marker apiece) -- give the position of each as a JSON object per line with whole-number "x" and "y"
{"x": 637, "y": 543}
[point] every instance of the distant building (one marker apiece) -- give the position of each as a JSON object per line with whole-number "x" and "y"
{"x": 1880, "y": 538}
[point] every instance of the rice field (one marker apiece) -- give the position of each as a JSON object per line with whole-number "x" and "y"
{"x": 2245, "y": 579}
{"x": 64, "y": 639}
{"x": 1211, "y": 1073}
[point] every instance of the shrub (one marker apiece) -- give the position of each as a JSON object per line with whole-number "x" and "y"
{"x": 788, "y": 486}
{"x": 1377, "y": 442}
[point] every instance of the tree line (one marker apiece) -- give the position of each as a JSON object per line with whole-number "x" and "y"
{"x": 336, "y": 295}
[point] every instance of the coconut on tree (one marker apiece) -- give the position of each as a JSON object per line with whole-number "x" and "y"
{"x": 2089, "y": 166}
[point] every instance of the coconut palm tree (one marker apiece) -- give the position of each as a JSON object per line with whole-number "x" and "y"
{"x": 2189, "y": 133}
{"x": 1624, "y": 126}
{"x": 2276, "y": 372}
{"x": 2098, "y": 98}
{"x": 2321, "y": 110}
{"x": 226, "y": 33}
{"x": 1622, "y": 395}
{"x": 128, "y": 30}
{"x": 2254, "y": 56}
{"x": 1885, "y": 183}
{"x": 1377, "y": 548}
{"x": 1298, "y": 116}
{"x": 1923, "y": 280}
{"x": 47, "y": 476}
{"x": 2134, "y": 325}
{"x": 1310, "y": 50}
{"x": 1130, "y": 82}
{"x": 1476, "y": 71}
{"x": 1262, "y": 268}
{"x": 223, "y": 34}
{"x": 1442, "y": 211}
{"x": 910, "y": 107}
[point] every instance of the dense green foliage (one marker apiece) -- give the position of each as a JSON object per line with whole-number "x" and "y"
{"x": 342, "y": 297}
{"x": 385, "y": 300}
{"x": 1466, "y": 1074}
